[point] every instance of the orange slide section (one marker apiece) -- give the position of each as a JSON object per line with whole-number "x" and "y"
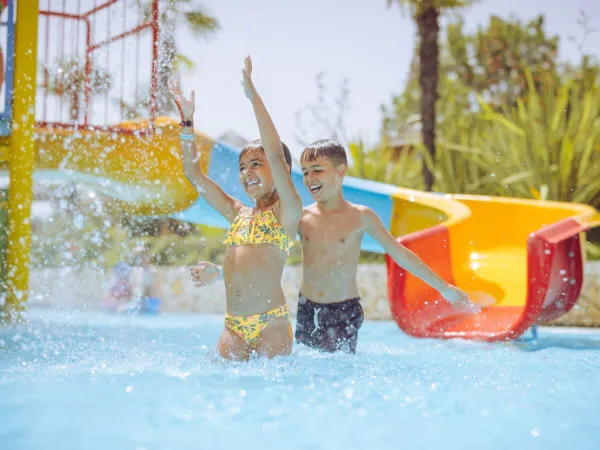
{"x": 520, "y": 259}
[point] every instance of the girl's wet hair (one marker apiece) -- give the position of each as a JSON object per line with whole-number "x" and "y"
{"x": 257, "y": 145}
{"x": 328, "y": 148}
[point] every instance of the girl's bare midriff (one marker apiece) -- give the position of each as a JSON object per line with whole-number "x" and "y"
{"x": 253, "y": 278}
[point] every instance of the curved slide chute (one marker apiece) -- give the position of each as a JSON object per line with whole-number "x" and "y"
{"x": 520, "y": 259}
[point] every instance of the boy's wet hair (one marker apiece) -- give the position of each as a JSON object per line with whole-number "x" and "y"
{"x": 328, "y": 148}
{"x": 257, "y": 145}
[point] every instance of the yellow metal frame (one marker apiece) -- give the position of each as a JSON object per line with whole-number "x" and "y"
{"x": 21, "y": 159}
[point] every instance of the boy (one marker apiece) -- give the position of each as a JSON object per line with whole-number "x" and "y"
{"x": 331, "y": 230}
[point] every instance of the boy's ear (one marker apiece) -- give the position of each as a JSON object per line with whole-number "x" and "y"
{"x": 342, "y": 169}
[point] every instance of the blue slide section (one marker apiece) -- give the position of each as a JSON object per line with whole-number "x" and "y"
{"x": 223, "y": 169}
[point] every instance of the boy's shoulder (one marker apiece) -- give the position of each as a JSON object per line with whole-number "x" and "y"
{"x": 309, "y": 211}
{"x": 359, "y": 210}
{"x": 350, "y": 210}
{"x": 349, "y": 207}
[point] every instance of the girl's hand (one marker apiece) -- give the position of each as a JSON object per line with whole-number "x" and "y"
{"x": 185, "y": 106}
{"x": 205, "y": 273}
{"x": 246, "y": 82}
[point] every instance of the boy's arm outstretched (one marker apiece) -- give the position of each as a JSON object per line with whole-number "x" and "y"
{"x": 291, "y": 205}
{"x": 225, "y": 205}
{"x": 412, "y": 263}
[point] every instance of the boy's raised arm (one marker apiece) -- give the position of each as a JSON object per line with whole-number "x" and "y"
{"x": 225, "y": 205}
{"x": 290, "y": 200}
{"x": 412, "y": 263}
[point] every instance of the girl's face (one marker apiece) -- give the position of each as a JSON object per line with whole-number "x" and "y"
{"x": 255, "y": 174}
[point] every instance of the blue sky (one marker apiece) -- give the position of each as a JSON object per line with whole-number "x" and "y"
{"x": 291, "y": 41}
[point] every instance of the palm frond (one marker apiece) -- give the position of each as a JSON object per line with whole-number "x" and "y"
{"x": 201, "y": 23}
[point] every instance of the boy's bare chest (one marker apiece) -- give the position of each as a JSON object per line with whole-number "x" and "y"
{"x": 335, "y": 237}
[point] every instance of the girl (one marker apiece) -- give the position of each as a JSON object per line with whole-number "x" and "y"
{"x": 259, "y": 239}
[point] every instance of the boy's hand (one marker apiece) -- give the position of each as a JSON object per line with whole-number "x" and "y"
{"x": 459, "y": 300}
{"x": 185, "y": 106}
{"x": 249, "y": 88}
{"x": 205, "y": 273}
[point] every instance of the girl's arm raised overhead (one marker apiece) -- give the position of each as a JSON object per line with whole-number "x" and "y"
{"x": 291, "y": 205}
{"x": 225, "y": 205}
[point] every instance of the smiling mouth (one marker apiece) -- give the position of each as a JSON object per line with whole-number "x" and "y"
{"x": 251, "y": 183}
{"x": 315, "y": 188}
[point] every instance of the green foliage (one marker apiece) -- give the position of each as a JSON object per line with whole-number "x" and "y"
{"x": 200, "y": 23}
{"x": 492, "y": 62}
{"x": 510, "y": 121}
{"x": 460, "y": 146}
{"x": 400, "y": 168}
{"x": 546, "y": 146}
{"x": 489, "y": 62}
{"x": 550, "y": 139}
{"x": 593, "y": 251}
{"x": 417, "y": 7}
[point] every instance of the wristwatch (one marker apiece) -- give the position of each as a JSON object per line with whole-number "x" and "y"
{"x": 186, "y": 123}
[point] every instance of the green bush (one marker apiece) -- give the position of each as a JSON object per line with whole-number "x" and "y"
{"x": 545, "y": 147}
{"x": 383, "y": 164}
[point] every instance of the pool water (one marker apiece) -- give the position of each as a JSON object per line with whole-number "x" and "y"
{"x": 77, "y": 380}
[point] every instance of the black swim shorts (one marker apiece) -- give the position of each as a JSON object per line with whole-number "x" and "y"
{"x": 329, "y": 326}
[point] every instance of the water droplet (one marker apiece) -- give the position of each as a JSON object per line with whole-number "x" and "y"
{"x": 348, "y": 392}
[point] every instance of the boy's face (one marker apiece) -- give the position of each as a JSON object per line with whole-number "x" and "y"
{"x": 322, "y": 178}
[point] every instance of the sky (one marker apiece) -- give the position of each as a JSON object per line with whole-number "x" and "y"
{"x": 362, "y": 40}
{"x": 290, "y": 42}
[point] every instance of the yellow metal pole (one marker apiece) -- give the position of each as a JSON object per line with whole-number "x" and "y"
{"x": 21, "y": 157}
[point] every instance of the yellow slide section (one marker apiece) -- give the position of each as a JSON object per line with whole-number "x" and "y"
{"x": 489, "y": 251}
{"x": 140, "y": 170}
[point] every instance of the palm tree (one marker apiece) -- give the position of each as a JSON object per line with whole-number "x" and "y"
{"x": 173, "y": 13}
{"x": 426, "y": 14}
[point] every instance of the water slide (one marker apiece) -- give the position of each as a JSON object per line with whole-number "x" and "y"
{"x": 520, "y": 259}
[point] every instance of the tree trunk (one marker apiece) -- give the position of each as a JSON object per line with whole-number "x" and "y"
{"x": 427, "y": 22}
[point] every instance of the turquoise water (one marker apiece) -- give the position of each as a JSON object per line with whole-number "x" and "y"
{"x": 95, "y": 381}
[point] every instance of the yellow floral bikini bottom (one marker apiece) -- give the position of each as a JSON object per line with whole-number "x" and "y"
{"x": 249, "y": 328}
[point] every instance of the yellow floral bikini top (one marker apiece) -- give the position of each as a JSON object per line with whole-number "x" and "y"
{"x": 262, "y": 228}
